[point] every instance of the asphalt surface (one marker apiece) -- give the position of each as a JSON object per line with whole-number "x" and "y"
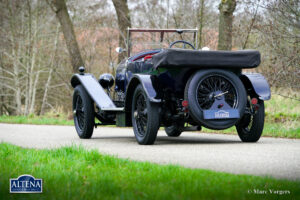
{"x": 279, "y": 158}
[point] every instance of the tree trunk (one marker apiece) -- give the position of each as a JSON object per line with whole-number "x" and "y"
{"x": 60, "y": 8}
{"x": 33, "y": 65}
{"x": 17, "y": 85}
{"x": 47, "y": 85}
{"x": 226, "y": 9}
{"x": 200, "y": 23}
{"x": 124, "y": 22}
{"x": 18, "y": 88}
{"x": 2, "y": 90}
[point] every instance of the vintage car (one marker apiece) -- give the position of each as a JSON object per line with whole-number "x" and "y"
{"x": 181, "y": 89}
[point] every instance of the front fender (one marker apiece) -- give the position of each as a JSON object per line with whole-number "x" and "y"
{"x": 147, "y": 84}
{"x": 258, "y": 84}
{"x": 94, "y": 89}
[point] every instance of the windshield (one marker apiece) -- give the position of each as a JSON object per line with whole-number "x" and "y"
{"x": 146, "y": 39}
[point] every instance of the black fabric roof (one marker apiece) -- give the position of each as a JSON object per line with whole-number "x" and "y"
{"x": 198, "y": 58}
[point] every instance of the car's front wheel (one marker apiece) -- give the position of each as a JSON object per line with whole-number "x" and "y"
{"x": 145, "y": 117}
{"x": 83, "y": 111}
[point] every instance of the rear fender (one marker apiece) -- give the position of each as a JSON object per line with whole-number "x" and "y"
{"x": 258, "y": 84}
{"x": 94, "y": 89}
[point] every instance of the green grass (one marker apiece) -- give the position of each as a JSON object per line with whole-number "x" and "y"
{"x": 75, "y": 173}
{"x": 58, "y": 119}
{"x": 279, "y": 107}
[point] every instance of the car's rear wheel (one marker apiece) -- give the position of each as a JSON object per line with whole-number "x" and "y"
{"x": 145, "y": 117}
{"x": 83, "y": 111}
{"x": 215, "y": 89}
{"x": 251, "y": 125}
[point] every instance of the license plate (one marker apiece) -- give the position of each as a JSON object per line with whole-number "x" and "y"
{"x": 221, "y": 114}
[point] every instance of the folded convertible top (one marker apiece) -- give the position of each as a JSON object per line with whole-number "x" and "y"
{"x": 197, "y": 58}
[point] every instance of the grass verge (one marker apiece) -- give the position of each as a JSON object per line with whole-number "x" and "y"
{"x": 75, "y": 173}
{"x": 40, "y": 120}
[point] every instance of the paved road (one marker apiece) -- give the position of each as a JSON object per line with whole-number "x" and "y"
{"x": 279, "y": 158}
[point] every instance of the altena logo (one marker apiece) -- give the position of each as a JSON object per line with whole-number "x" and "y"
{"x": 25, "y": 184}
{"x": 222, "y": 114}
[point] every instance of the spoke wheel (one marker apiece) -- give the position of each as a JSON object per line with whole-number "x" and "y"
{"x": 212, "y": 90}
{"x": 140, "y": 114}
{"x": 145, "y": 117}
{"x": 83, "y": 110}
{"x": 79, "y": 112}
{"x": 251, "y": 126}
{"x": 216, "y": 90}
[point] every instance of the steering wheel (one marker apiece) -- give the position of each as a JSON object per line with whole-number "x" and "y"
{"x": 181, "y": 41}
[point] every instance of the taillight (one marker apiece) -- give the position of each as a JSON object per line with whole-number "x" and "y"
{"x": 185, "y": 103}
{"x": 254, "y": 101}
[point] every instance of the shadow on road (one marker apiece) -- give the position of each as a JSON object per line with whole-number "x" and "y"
{"x": 193, "y": 140}
{"x": 165, "y": 140}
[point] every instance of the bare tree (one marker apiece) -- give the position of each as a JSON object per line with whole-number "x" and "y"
{"x": 124, "y": 22}
{"x": 281, "y": 46}
{"x": 48, "y": 82}
{"x": 200, "y": 22}
{"x": 251, "y": 26}
{"x": 226, "y": 8}
{"x": 61, "y": 11}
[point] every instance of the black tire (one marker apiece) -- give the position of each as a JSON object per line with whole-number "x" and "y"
{"x": 250, "y": 126}
{"x": 84, "y": 116}
{"x": 192, "y": 90}
{"x": 145, "y": 117}
{"x": 174, "y": 130}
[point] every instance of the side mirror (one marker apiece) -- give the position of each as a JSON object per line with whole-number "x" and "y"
{"x": 120, "y": 50}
